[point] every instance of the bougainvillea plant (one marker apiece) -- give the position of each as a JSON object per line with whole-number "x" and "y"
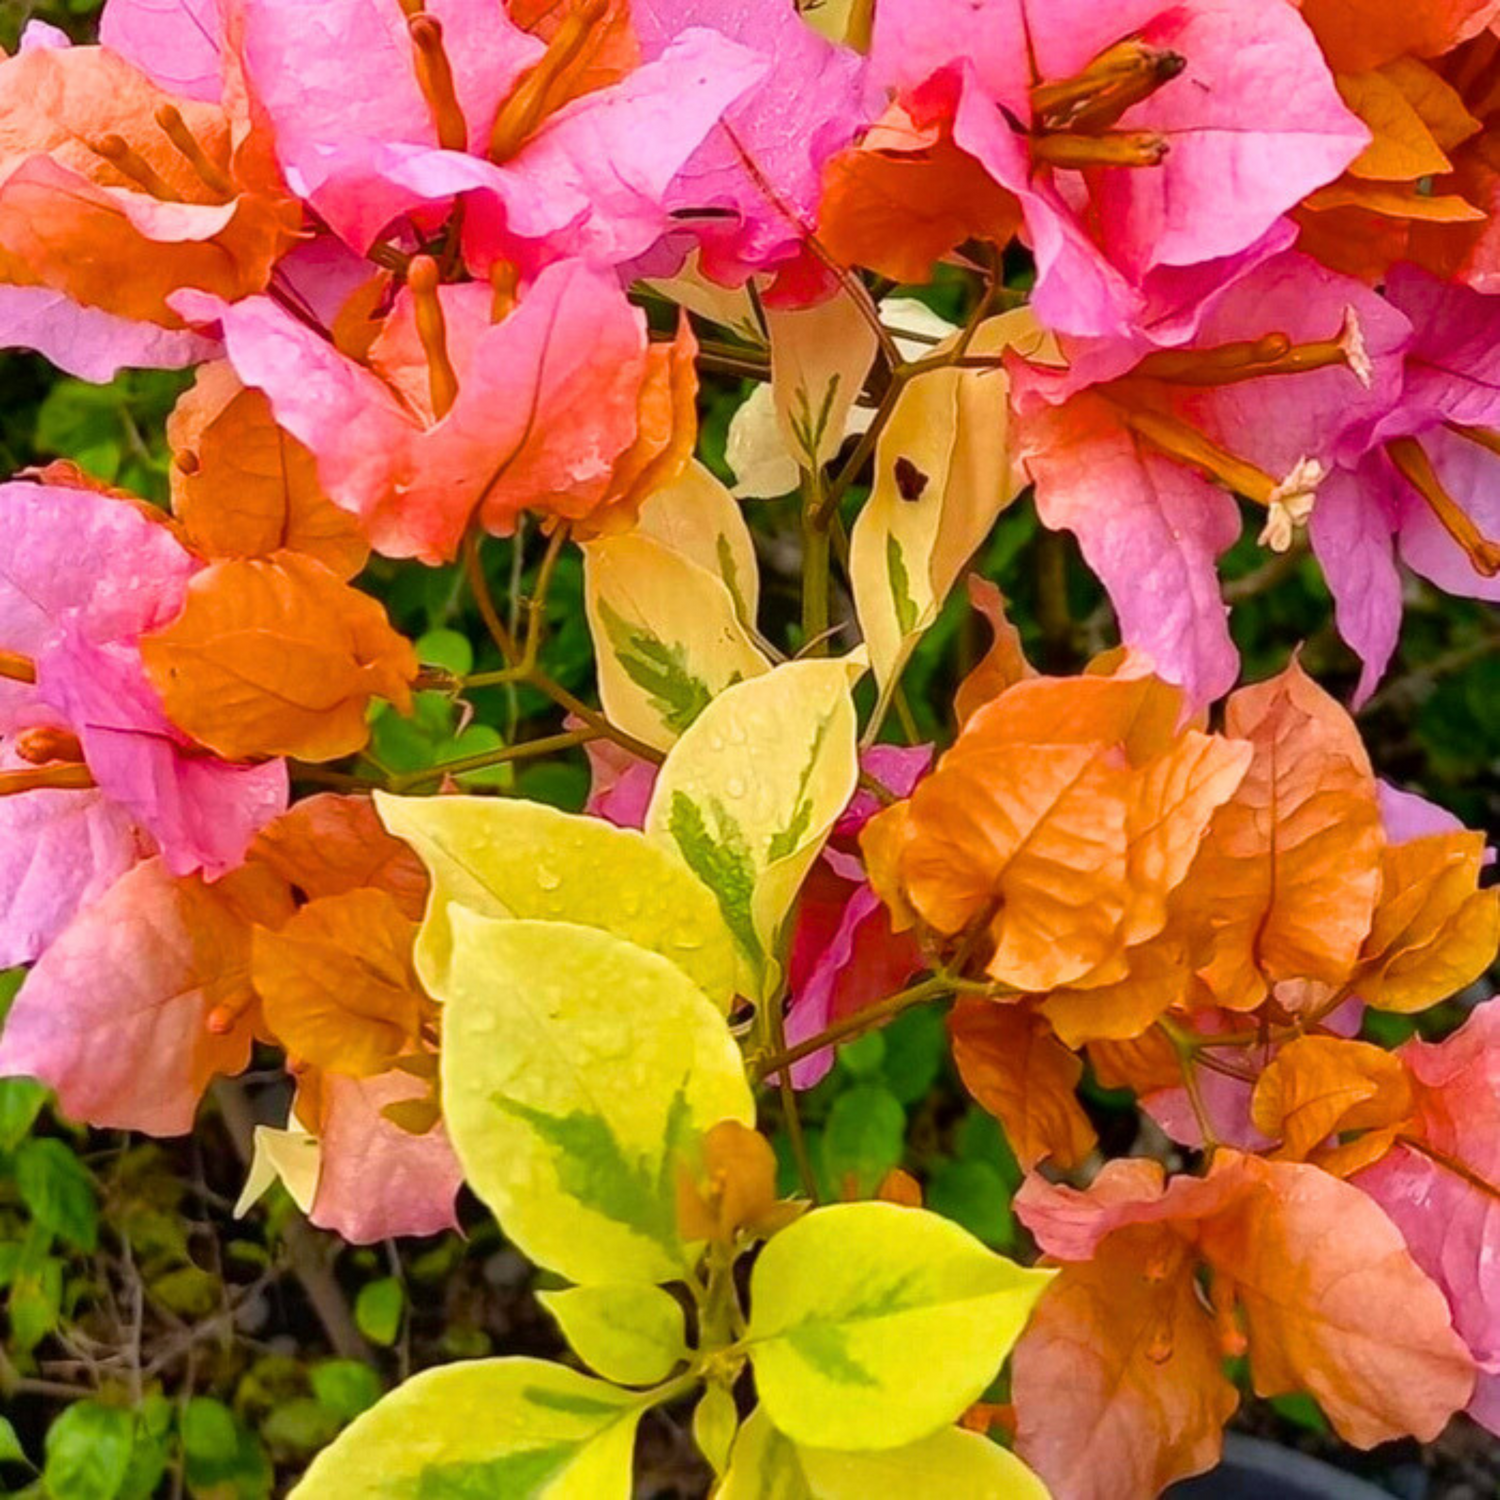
{"x": 448, "y": 273}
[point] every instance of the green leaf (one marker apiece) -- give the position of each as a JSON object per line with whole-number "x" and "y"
{"x": 953, "y": 1464}
{"x": 974, "y": 1194}
{"x": 58, "y": 1190}
{"x": 631, "y": 1334}
{"x": 150, "y": 1451}
{"x": 849, "y": 1301}
{"x": 35, "y": 1302}
{"x": 88, "y": 1452}
{"x": 243, "y": 1474}
{"x": 21, "y": 1101}
{"x": 11, "y": 1451}
{"x": 748, "y": 794}
{"x": 378, "y": 1309}
{"x": 916, "y": 1043}
{"x": 509, "y": 858}
{"x": 345, "y": 1386}
{"x": 511, "y": 1428}
{"x": 299, "y": 1427}
{"x": 576, "y": 1067}
{"x": 863, "y": 1138}
{"x": 447, "y": 649}
{"x": 209, "y": 1431}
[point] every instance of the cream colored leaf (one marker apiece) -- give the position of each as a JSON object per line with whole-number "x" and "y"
{"x": 698, "y": 518}
{"x": 943, "y": 474}
{"x": 667, "y": 636}
{"x": 819, "y": 359}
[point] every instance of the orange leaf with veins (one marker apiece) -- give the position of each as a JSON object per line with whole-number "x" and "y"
{"x": 1013, "y": 1065}
{"x": 1320, "y": 1086}
{"x": 277, "y": 657}
{"x": 328, "y": 844}
{"x": 1434, "y": 930}
{"x": 336, "y": 983}
{"x": 1063, "y": 819}
{"x": 1285, "y": 884}
{"x": 244, "y": 487}
{"x": 1116, "y": 1380}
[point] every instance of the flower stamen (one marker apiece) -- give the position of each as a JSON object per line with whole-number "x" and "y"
{"x": 435, "y": 75}
{"x": 1413, "y": 464}
{"x": 432, "y": 329}
{"x": 539, "y": 92}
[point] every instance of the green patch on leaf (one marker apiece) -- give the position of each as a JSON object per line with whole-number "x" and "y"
{"x": 895, "y": 566}
{"x": 722, "y": 861}
{"x": 593, "y": 1166}
{"x": 659, "y": 669}
{"x": 826, "y": 1349}
{"x": 789, "y": 839}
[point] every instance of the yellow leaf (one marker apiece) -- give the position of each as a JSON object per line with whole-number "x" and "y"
{"x": 1434, "y": 931}
{"x": 577, "y": 1070}
{"x": 291, "y": 1156}
{"x": 630, "y": 1333}
{"x": 501, "y": 1427}
{"x": 953, "y": 1464}
{"x": 667, "y": 636}
{"x": 748, "y": 795}
{"x": 503, "y": 857}
{"x": 851, "y": 1300}
{"x": 1401, "y": 148}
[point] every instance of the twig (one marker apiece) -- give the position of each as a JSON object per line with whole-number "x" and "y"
{"x": 303, "y": 1243}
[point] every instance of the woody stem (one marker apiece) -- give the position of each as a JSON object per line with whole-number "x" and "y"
{"x": 815, "y": 564}
{"x": 852, "y": 1026}
{"x": 775, "y": 1028}
{"x": 488, "y": 758}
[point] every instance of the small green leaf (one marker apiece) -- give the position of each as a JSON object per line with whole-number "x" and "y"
{"x": 863, "y": 1138}
{"x": 345, "y": 1386}
{"x": 916, "y": 1043}
{"x": 447, "y": 649}
{"x": 209, "y": 1431}
{"x": 484, "y": 1430}
{"x": 974, "y": 1194}
{"x": 299, "y": 1427}
{"x": 952, "y": 1464}
{"x": 35, "y": 1302}
{"x": 631, "y": 1334}
{"x": 378, "y": 1309}
{"x": 863, "y": 1056}
{"x": 58, "y": 1190}
{"x": 88, "y": 1452}
{"x": 576, "y": 1068}
{"x": 21, "y": 1101}
{"x": 11, "y": 1451}
{"x": 848, "y": 1301}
